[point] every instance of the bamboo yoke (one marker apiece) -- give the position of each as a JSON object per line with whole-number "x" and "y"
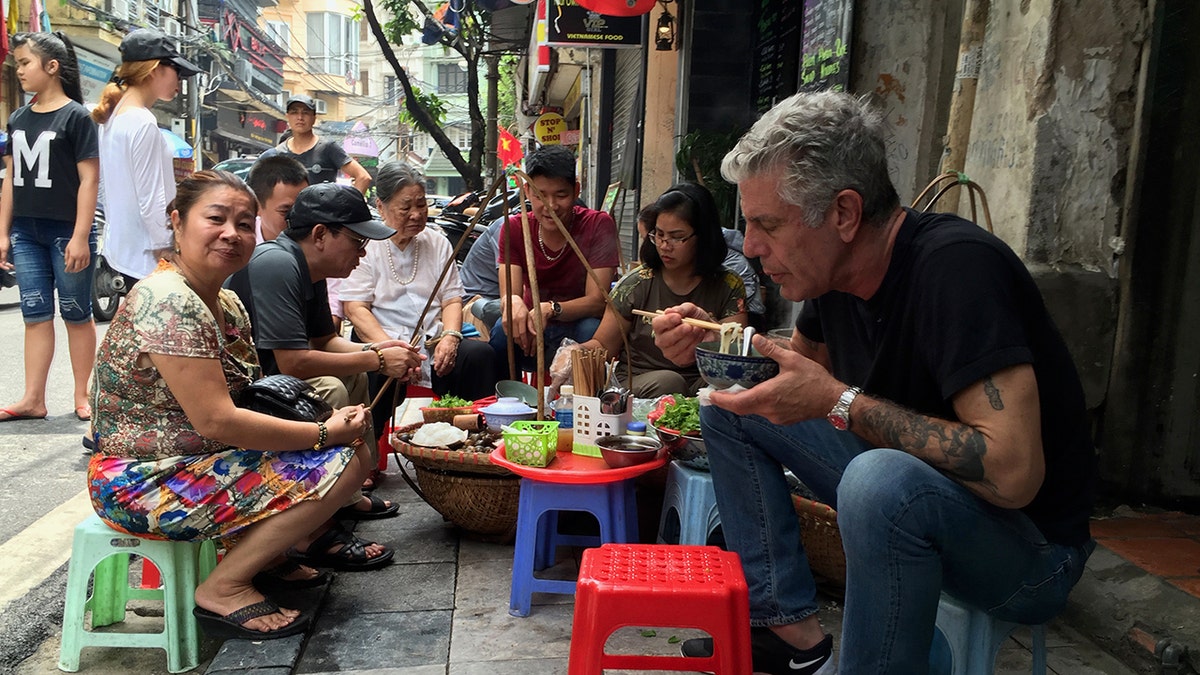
{"x": 531, "y": 270}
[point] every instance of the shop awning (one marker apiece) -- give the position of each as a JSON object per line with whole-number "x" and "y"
{"x": 258, "y": 106}
{"x": 179, "y": 147}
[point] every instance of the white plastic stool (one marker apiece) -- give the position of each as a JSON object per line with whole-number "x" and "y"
{"x": 974, "y": 638}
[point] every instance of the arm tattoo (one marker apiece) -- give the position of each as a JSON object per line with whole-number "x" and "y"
{"x": 993, "y": 394}
{"x": 952, "y": 447}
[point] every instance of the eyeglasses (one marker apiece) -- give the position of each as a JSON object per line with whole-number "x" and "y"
{"x": 662, "y": 239}
{"x": 360, "y": 242}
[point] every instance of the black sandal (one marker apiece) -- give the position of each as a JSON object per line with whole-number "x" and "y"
{"x": 378, "y": 511}
{"x": 351, "y": 557}
{"x": 275, "y": 579}
{"x": 232, "y": 625}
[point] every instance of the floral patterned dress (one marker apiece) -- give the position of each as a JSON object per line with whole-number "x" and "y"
{"x": 152, "y": 474}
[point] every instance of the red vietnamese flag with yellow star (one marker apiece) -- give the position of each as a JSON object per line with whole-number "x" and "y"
{"x": 508, "y": 149}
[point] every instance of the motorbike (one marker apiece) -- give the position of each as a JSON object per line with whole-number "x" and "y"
{"x": 108, "y": 286}
{"x": 456, "y": 216}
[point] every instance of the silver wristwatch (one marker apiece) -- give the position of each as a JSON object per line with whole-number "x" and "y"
{"x": 839, "y": 417}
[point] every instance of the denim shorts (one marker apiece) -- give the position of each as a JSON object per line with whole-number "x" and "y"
{"x": 38, "y": 252}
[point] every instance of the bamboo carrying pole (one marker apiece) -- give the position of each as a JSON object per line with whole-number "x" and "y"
{"x": 437, "y": 286}
{"x": 531, "y": 270}
{"x": 962, "y": 102}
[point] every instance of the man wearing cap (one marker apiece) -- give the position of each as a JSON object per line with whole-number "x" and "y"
{"x": 284, "y": 291}
{"x": 321, "y": 159}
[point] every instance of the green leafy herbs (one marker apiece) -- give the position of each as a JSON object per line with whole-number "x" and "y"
{"x": 450, "y": 402}
{"x": 673, "y": 639}
{"x": 683, "y": 415}
{"x": 649, "y": 633}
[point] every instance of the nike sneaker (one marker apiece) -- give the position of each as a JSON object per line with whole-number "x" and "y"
{"x": 771, "y": 655}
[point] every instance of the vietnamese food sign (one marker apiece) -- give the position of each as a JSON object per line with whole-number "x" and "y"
{"x": 571, "y": 25}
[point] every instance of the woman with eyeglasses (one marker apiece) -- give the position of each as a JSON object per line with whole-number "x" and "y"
{"x": 682, "y": 259}
{"x": 136, "y": 172}
{"x": 385, "y": 295}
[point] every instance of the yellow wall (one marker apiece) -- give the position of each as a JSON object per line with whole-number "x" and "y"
{"x": 658, "y": 152}
{"x": 295, "y": 77}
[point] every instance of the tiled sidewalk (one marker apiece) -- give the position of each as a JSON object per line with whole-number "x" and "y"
{"x": 1166, "y": 545}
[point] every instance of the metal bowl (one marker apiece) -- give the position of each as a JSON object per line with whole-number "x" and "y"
{"x": 619, "y": 451}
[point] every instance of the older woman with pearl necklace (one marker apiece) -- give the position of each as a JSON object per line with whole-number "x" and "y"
{"x": 386, "y": 293}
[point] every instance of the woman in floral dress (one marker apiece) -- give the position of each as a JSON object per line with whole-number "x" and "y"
{"x": 173, "y": 457}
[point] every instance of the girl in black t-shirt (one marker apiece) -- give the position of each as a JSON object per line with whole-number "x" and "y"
{"x": 46, "y": 216}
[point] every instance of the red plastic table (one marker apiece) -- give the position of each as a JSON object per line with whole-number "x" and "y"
{"x": 568, "y": 467}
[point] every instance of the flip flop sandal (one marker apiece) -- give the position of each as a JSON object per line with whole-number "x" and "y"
{"x": 379, "y": 510}
{"x": 14, "y": 416}
{"x": 275, "y": 579}
{"x": 232, "y": 625}
{"x": 351, "y": 557}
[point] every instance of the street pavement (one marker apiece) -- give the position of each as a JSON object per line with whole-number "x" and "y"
{"x": 442, "y": 608}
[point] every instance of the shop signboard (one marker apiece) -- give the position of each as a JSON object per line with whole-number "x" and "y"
{"x": 94, "y": 72}
{"x": 570, "y": 24}
{"x": 825, "y": 45}
{"x": 549, "y": 128}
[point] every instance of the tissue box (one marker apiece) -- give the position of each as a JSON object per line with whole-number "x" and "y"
{"x": 531, "y": 443}
{"x": 591, "y": 424}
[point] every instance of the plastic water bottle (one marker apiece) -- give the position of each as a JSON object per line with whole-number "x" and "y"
{"x": 564, "y": 412}
{"x": 564, "y": 407}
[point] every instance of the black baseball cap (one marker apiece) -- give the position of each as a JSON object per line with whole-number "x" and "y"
{"x": 304, "y": 99}
{"x": 331, "y": 204}
{"x": 145, "y": 44}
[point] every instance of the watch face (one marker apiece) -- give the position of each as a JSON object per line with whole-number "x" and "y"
{"x": 839, "y": 422}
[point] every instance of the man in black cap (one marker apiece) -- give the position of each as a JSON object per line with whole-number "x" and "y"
{"x": 321, "y": 159}
{"x": 284, "y": 290}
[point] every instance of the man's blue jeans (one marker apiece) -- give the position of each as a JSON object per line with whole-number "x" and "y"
{"x": 909, "y": 532}
{"x": 580, "y": 331}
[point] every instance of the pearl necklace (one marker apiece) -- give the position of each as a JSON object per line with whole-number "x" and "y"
{"x": 416, "y": 259}
{"x": 542, "y": 245}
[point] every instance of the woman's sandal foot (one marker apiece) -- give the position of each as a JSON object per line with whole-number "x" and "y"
{"x": 233, "y": 624}
{"x": 377, "y": 510}
{"x": 10, "y": 415}
{"x": 283, "y": 577}
{"x": 339, "y": 549}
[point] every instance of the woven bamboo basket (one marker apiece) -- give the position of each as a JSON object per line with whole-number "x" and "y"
{"x": 466, "y": 488}
{"x": 822, "y": 540}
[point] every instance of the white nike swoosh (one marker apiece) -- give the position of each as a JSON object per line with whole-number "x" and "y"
{"x": 792, "y": 665}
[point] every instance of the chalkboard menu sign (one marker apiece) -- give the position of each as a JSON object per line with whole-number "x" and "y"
{"x": 775, "y": 62}
{"x": 825, "y": 45}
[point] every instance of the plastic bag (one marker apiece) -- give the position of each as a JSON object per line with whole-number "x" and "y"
{"x": 560, "y": 367}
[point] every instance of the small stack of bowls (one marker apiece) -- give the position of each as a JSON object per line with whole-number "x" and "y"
{"x": 505, "y": 411}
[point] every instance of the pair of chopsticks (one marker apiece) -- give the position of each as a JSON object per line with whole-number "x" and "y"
{"x": 710, "y": 325}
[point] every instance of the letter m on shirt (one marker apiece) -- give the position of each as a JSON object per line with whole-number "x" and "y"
{"x": 36, "y": 158}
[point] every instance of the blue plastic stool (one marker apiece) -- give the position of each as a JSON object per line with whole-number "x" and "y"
{"x": 689, "y": 514}
{"x": 967, "y": 639}
{"x": 614, "y": 504}
{"x": 182, "y": 565}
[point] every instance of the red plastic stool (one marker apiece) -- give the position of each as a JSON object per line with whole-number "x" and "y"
{"x": 698, "y": 587}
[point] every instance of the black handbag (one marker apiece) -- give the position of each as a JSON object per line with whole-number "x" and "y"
{"x": 286, "y": 397}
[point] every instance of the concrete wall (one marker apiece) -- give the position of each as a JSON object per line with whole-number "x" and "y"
{"x": 659, "y": 133}
{"x": 1053, "y": 113}
{"x": 904, "y": 52}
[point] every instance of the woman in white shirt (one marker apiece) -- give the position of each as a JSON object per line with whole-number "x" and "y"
{"x": 135, "y": 160}
{"x": 383, "y": 296}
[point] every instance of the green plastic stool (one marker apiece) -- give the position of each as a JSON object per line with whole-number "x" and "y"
{"x": 98, "y": 547}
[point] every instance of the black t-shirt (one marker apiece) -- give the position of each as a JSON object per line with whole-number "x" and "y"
{"x": 955, "y": 306}
{"x": 46, "y": 148}
{"x": 322, "y": 161}
{"x": 286, "y": 307}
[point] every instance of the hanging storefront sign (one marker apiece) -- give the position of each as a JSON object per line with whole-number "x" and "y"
{"x": 94, "y": 73}
{"x": 570, "y": 24}
{"x": 619, "y": 7}
{"x": 549, "y": 128}
{"x": 825, "y": 45}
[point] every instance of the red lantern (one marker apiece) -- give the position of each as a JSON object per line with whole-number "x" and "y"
{"x": 619, "y": 7}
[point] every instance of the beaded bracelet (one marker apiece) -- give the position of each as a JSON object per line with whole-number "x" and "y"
{"x": 322, "y": 436}
{"x": 382, "y": 362}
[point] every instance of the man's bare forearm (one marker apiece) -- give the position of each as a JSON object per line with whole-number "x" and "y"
{"x": 952, "y": 447}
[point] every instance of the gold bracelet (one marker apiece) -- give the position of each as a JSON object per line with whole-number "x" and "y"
{"x": 382, "y": 362}
{"x": 322, "y": 436}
